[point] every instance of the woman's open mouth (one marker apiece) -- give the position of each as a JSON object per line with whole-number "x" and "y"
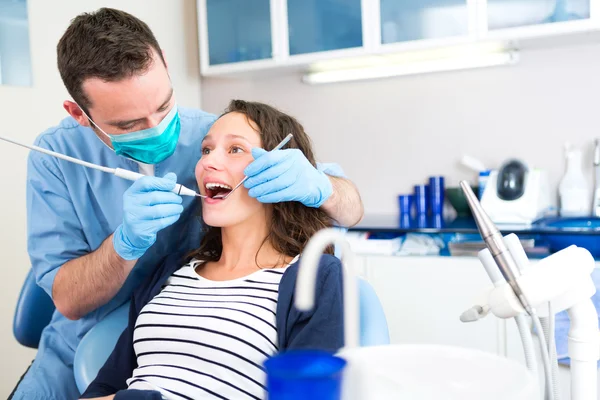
{"x": 217, "y": 190}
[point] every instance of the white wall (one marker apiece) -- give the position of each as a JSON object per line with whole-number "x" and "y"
{"x": 392, "y": 133}
{"x": 26, "y": 112}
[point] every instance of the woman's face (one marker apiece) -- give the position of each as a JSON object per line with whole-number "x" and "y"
{"x": 226, "y": 152}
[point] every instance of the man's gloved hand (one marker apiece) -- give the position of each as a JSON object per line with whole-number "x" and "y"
{"x": 286, "y": 175}
{"x": 134, "y": 394}
{"x": 148, "y": 206}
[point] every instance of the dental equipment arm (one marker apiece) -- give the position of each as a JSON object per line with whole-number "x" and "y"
{"x": 495, "y": 243}
{"x": 121, "y": 173}
{"x": 307, "y": 274}
{"x": 510, "y": 271}
{"x": 563, "y": 279}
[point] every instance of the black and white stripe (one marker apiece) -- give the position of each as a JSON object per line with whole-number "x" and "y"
{"x": 201, "y": 339}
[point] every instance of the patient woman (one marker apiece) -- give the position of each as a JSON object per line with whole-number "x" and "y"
{"x": 202, "y": 329}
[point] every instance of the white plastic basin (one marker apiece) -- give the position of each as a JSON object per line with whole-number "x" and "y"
{"x": 432, "y": 372}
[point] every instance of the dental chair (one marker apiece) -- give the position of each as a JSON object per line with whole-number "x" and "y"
{"x": 34, "y": 311}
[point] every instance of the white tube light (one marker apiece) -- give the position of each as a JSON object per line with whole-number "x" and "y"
{"x": 463, "y": 62}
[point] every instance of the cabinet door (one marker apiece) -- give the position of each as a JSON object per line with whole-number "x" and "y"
{"x": 503, "y": 14}
{"x": 323, "y": 25}
{"x": 407, "y": 20}
{"x": 238, "y": 30}
{"x": 423, "y": 298}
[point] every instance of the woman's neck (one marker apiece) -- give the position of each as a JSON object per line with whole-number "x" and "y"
{"x": 245, "y": 245}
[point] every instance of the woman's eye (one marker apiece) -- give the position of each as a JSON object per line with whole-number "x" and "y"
{"x": 236, "y": 149}
{"x": 205, "y": 151}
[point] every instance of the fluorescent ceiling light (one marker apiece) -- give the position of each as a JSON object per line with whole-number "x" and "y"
{"x": 409, "y": 63}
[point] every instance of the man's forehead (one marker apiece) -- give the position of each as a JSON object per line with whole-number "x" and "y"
{"x": 134, "y": 97}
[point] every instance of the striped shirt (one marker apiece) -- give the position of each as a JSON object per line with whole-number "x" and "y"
{"x": 203, "y": 339}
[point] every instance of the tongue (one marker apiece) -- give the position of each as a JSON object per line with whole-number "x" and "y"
{"x": 218, "y": 193}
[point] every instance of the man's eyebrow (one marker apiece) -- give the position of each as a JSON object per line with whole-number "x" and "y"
{"x": 133, "y": 121}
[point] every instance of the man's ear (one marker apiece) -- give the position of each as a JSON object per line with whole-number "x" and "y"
{"x": 75, "y": 111}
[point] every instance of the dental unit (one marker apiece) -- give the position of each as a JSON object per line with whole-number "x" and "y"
{"x": 520, "y": 289}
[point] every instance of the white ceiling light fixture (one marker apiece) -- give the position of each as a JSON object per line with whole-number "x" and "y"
{"x": 411, "y": 63}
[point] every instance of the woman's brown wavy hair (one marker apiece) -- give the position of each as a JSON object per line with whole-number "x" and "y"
{"x": 292, "y": 224}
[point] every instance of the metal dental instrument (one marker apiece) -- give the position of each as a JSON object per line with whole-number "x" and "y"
{"x": 495, "y": 243}
{"x": 121, "y": 173}
{"x": 278, "y": 147}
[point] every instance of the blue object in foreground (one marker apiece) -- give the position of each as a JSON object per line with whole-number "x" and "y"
{"x": 304, "y": 374}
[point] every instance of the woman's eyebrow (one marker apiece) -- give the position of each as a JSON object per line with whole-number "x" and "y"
{"x": 232, "y": 136}
{"x": 228, "y": 136}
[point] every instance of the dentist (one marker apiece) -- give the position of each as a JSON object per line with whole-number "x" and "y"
{"x": 93, "y": 237}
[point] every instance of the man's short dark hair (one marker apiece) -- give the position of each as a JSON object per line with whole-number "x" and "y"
{"x": 107, "y": 44}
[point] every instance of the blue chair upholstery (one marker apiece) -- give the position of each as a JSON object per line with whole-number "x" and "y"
{"x": 373, "y": 324}
{"x": 96, "y": 346}
{"x": 33, "y": 313}
{"x": 98, "y": 343}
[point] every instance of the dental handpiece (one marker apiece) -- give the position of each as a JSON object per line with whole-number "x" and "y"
{"x": 495, "y": 243}
{"x": 121, "y": 173}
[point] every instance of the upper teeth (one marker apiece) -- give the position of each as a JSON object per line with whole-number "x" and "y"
{"x": 216, "y": 185}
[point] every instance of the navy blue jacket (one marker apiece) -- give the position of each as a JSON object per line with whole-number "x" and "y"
{"x": 321, "y": 328}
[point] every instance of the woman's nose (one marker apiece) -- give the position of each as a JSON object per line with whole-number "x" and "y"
{"x": 212, "y": 161}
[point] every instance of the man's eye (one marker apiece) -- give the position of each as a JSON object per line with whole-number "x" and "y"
{"x": 127, "y": 127}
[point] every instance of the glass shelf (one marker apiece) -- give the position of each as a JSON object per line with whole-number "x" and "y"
{"x": 392, "y": 224}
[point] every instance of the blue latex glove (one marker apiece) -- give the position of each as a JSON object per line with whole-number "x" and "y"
{"x": 148, "y": 207}
{"x": 286, "y": 175}
{"x": 134, "y": 394}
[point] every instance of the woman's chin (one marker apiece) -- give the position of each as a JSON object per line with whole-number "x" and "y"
{"x": 217, "y": 220}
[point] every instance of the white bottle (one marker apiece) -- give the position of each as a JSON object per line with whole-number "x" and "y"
{"x": 573, "y": 189}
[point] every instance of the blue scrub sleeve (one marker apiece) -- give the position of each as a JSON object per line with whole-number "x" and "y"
{"x": 331, "y": 169}
{"x": 54, "y": 232}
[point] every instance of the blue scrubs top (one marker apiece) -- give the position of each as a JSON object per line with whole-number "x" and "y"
{"x": 71, "y": 210}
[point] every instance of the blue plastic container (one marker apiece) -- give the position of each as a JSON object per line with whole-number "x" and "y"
{"x": 421, "y": 199}
{"x": 405, "y": 203}
{"x": 304, "y": 374}
{"x": 436, "y": 195}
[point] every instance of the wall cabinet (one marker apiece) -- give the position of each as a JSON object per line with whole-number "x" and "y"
{"x": 323, "y": 25}
{"x": 238, "y": 31}
{"x": 246, "y": 35}
{"x": 410, "y": 20}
